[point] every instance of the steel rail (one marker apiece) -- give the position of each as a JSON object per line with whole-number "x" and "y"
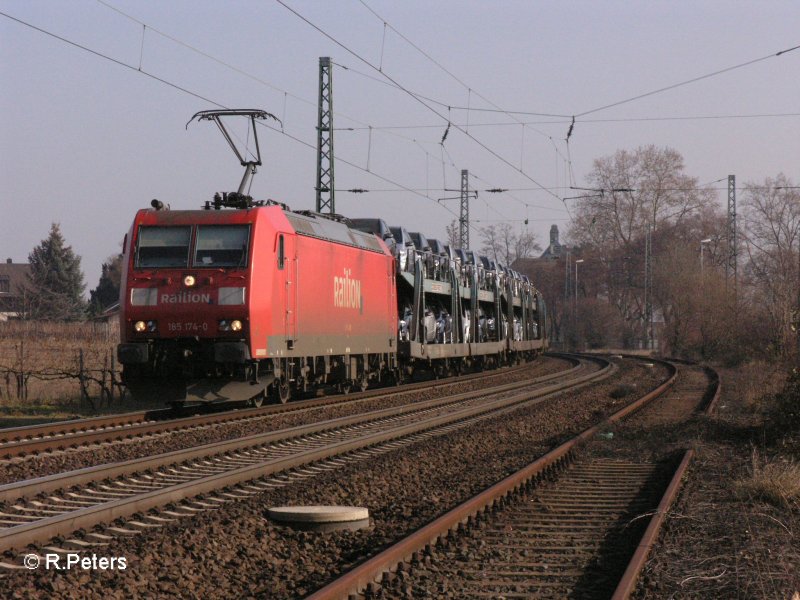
{"x": 366, "y": 573}
{"x": 12, "y": 435}
{"x": 45, "y": 529}
{"x": 630, "y": 578}
{"x": 18, "y": 441}
{"x": 20, "y": 489}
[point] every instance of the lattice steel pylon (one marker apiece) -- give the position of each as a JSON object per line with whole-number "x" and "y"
{"x": 325, "y": 190}
{"x": 648, "y": 289}
{"x": 730, "y": 264}
{"x": 463, "y": 219}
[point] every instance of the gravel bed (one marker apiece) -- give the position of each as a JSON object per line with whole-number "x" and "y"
{"x": 718, "y": 542}
{"x": 109, "y": 452}
{"x": 654, "y": 434}
{"x": 235, "y": 551}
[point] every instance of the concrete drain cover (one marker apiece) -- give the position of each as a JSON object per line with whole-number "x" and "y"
{"x": 321, "y": 518}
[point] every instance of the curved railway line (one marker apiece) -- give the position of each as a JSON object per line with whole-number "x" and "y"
{"x": 34, "y": 511}
{"x": 62, "y": 435}
{"x": 566, "y": 525}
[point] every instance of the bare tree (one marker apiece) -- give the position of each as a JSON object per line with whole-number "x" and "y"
{"x": 771, "y": 237}
{"x": 548, "y": 277}
{"x": 501, "y": 243}
{"x": 633, "y": 192}
{"x": 453, "y": 234}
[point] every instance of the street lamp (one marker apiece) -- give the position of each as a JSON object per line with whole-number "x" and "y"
{"x": 575, "y": 314}
{"x": 577, "y": 262}
{"x": 702, "y": 244}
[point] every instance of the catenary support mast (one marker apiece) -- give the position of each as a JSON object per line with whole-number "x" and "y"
{"x": 730, "y": 265}
{"x": 463, "y": 219}
{"x": 325, "y": 190}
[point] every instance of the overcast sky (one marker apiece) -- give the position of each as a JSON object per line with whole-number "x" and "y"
{"x": 85, "y": 141}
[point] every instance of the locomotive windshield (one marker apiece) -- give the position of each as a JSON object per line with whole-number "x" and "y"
{"x": 221, "y": 246}
{"x": 163, "y": 247}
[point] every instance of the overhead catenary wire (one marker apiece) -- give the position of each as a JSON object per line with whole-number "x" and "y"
{"x": 589, "y": 121}
{"x": 688, "y": 81}
{"x": 469, "y": 88}
{"x": 472, "y": 124}
{"x": 363, "y": 126}
{"x": 216, "y": 104}
{"x": 114, "y": 60}
{"x": 209, "y": 56}
{"x": 433, "y": 60}
{"x": 514, "y": 122}
{"x": 506, "y": 192}
{"x": 240, "y": 71}
{"x": 219, "y": 105}
{"x": 444, "y": 118}
{"x": 444, "y": 151}
{"x": 626, "y": 100}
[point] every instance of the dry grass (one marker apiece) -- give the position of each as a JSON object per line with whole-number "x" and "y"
{"x": 48, "y": 354}
{"x": 776, "y": 481}
{"x": 759, "y": 381}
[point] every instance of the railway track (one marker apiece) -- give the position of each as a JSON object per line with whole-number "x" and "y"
{"x": 567, "y": 525}
{"x": 35, "y": 511}
{"x": 64, "y": 435}
{"x": 570, "y": 539}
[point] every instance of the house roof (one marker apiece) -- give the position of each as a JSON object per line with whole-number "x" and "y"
{"x": 17, "y": 275}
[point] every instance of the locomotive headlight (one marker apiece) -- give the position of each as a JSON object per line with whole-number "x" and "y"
{"x": 152, "y": 326}
{"x": 189, "y": 280}
{"x": 224, "y": 325}
{"x": 139, "y": 326}
{"x": 236, "y": 325}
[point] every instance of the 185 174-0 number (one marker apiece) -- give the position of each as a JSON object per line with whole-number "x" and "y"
{"x": 187, "y": 326}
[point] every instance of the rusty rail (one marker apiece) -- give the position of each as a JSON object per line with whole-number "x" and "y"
{"x": 366, "y": 573}
{"x": 46, "y": 528}
{"x": 630, "y": 578}
{"x": 19, "y": 441}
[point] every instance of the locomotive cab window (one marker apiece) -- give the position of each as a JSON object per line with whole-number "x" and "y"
{"x": 222, "y": 246}
{"x": 163, "y": 247}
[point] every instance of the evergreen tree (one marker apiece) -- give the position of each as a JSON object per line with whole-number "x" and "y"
{"x": 107, "y": 291}
{"x": 55, "y": 283}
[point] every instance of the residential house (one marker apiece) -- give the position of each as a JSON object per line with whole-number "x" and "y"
{"x": 13, "y": 278}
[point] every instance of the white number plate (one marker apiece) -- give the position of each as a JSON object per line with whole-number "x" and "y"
{"x": 187, "y": 327}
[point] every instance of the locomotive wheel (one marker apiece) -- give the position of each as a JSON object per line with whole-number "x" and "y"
{"x": 257, "y": 401}
{"x": 363, "y": 382}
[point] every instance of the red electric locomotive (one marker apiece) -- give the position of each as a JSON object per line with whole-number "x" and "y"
{"x": 218, "y": 303}
{"x": 262, "y": 301}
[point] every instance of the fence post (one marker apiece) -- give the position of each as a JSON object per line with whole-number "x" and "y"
{"x": 113, "y": 376}
{"x": 81, "y": 377}
{"x": 21, "y": 386}
{"x": 103, "y": 388}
